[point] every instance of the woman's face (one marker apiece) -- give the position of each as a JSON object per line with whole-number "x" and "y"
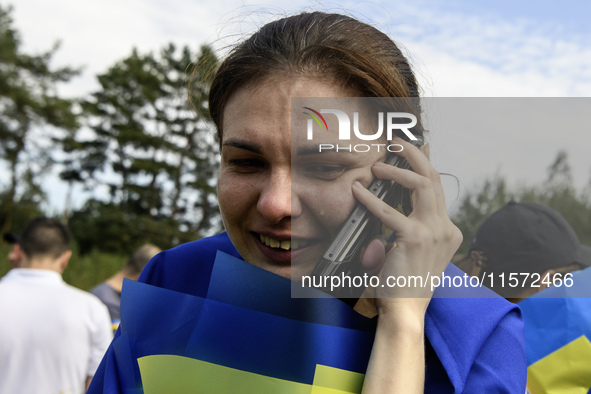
{"x": 282, "y": 209}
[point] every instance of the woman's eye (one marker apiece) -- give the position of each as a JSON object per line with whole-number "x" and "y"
{"x": 246, "y": 165}
{"x": 324, "y": 171}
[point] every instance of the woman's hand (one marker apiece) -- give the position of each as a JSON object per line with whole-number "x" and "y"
{"x": 425, "y": 240}
{"x": 425, "y": 243}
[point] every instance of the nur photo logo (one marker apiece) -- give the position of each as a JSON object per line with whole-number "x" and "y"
{"x": 388, "y": 123}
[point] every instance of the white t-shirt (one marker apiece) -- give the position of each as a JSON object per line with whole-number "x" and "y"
{"x": 52, "y": 335}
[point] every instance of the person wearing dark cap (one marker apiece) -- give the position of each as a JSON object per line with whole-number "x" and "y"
{"x": 525, "y": 241}
{"x": 14, "y": 256}
{"x": 52, "y": 335}
{"x": 529, "y": 240}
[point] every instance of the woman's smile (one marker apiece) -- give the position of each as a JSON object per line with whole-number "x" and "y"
{"x": 281, "y": 208}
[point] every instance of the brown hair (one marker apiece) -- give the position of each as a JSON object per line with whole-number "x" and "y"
{"x": 317, "y": 44}
{"x": 45, "y": 237}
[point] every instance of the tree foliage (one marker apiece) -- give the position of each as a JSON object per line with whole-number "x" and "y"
{"x": 557, "y": 191}
{"x": 477, "y": 205}
{"x": 31, "y": 114}
{"x": 150, "y": 160}
{"x": 154, "y": 157}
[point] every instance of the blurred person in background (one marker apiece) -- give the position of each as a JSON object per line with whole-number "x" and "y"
{"x": 524, "y": 238}
{"x": 109, "y": 292}
{"x": 529, "y": 254}
{"x": 52, "y": 335}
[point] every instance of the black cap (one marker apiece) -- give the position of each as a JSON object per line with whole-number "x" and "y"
{"x": 11, "y": 238}
{"x": 529, "y": 237}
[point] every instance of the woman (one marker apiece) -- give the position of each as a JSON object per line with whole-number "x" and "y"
{"x": 284, "y": 225}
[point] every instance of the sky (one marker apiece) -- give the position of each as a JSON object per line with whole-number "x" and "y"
{"x": 458, "y": 48}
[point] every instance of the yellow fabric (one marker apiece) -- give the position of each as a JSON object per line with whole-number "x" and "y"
{"x": 176, "y": 374}
{"x": 338, "y": 379}
{"x": 564, "y": 371}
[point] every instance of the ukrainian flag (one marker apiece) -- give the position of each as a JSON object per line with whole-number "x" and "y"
{"x": 557, "y": 337}
{"x": 215, "y": 343}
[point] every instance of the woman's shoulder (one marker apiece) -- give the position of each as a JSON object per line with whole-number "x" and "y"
{"x": 467, "y": 305}
{"x": 475, "y": 334}
{"x": 187, "y": 267}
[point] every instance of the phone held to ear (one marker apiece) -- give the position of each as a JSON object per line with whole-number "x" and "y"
{"x": 343, "y": 256}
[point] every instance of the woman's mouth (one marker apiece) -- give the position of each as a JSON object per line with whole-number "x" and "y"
{"x": 286, "y": 244}
{"x": 286, "y": 251}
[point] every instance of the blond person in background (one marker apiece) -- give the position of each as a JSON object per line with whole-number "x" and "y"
{"x": 52, "y": 335}
{"x": 109, "y": 292}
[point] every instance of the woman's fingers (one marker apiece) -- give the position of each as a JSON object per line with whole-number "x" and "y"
{"x": 418, "y": 159}
{"x": 423, "y": 194}
{"x": 373, "y": 257}
{"x": 389, "y": 216}
{"x": 426, "y": 239}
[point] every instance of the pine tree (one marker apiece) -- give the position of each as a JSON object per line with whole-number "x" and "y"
{"x": 154, "y": 155}
{"x": 32, "y": 114}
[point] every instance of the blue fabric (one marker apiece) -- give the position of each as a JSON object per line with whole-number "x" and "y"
{"x": 238, "y": 283}
{"x": 235, "y": 337}
{"x": 556, "y": 316}
{"x": 479, "y": 345}
{"x": 478, "y": 341}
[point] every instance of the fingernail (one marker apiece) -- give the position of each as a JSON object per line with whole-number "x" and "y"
{"x": 357, "y": 184}
{"x": 379, "y": 164}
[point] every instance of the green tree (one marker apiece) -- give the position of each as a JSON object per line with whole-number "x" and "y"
{"x": 477, "y": 205}
{"x": 557, "y": 191}
{"x": 32, "y": 114}
{"x": 155, "y": 157}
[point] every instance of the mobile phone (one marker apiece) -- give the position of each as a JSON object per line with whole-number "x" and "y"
{"x": 343, "y": 256}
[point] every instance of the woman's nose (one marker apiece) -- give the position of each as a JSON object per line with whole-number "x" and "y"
{"x": 276, "y": 201}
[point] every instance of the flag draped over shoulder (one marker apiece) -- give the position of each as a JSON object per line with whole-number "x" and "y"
{"x": 214, "y": 323}
{"x": 557, "y": 337}
{"x": 311, "y": 345}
